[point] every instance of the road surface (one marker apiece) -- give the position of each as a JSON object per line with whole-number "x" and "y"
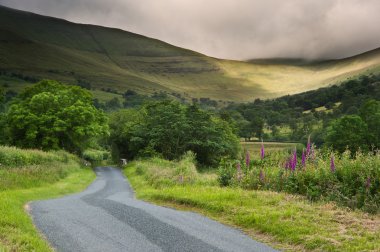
{"x": 107, "y": 217}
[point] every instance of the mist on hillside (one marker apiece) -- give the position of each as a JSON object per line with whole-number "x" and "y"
{"x": 241, "y": 29}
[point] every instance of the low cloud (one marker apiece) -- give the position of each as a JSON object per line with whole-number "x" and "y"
{"x": 234, "y": 29}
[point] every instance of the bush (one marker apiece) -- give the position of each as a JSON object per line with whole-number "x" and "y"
{"x": 15, "y": 157}
{"x": 352, "y": 181}
{"x": 32, "y": 168}
{"x": 95, "y": 155}
{"x": 159, "y": 172}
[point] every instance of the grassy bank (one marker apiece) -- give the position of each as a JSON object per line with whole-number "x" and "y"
{"x": 27, "y": 175}
{"x": 282, "y": 220}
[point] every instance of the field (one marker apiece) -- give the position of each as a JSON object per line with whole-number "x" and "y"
{"x": 288, "y": 222}
{"x": 254, "y": 147}
{"x": 48, "y": 48}
{"x": 27, "y": 175}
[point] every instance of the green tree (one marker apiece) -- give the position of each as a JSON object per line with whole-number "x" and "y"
{"x": 348, "y": 132}
{"x": 50, "y": 115}
{"x": 169, "y": 129}
{"x": 165, "y": 128}
{"x": 370, "y": 113}
{"x": 210, "y": 137}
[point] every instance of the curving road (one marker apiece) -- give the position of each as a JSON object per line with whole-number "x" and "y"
{"x": 107, "y": 217}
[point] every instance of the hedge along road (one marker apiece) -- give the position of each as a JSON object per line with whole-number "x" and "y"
{"x": 107, "y": 217}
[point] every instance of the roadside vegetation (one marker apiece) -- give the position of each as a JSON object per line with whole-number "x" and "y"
{"x": 351, "y": 180}
{"x": 286, "y": 221}
{"x": 27, "y": 175}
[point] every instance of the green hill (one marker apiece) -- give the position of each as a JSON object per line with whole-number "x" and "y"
{"x": 37, "y": 47}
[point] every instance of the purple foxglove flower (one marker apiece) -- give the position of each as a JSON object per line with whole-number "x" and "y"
{"x": 262, "y": 153}
{"x": 332, "y": 164}
{"x": 247, "y": 159}
{"x": 262, "y": 176}
{"x": 368, "y": 183}
{"x": 303, "y": 158}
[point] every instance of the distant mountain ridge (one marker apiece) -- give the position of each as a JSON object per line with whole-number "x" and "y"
{"x": 113, "y": 59}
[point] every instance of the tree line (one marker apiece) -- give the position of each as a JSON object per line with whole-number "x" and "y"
{"x": 314, "y": 113}
{"x": 51, "y": 115}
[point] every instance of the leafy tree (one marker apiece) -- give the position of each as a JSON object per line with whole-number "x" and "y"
{"x": 370, "y": 113}
{"x": 123, "y": 123}
{"x": 348, "y": 132}
{"x": 169, "y": 129}
{"x": 50, "y": 115}
{"x": 209, "y": 136}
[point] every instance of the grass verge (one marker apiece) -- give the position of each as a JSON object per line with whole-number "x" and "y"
{"x": 284, "y": 221}
{"x": 20, "y": 185}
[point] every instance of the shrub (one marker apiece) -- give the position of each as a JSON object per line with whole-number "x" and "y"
{"x": 15, "y": 157}
{"x": 354, "y": 181}
{"x": 160, "y": 172}
{"x": 31, "y": 168}
{"x": 95, "y": 155}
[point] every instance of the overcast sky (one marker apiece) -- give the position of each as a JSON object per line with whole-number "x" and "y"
{"x": 234, "y": 29}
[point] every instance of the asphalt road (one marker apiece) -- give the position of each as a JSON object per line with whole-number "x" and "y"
{"x": 107, "y": 217}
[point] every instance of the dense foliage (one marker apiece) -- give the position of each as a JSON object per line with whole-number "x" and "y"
{"x": 14, "y": 157}
{"x": 350, "y": 181}
{"x": 170, "y": 129}
{"x": 31, "y": 168}
{"x": 94, "y": 155}
{"x": 50, "y": 115}
{"x": 356, "y": 132}
{"x": 159, "y": 172}
{"x": 306, "y": 113}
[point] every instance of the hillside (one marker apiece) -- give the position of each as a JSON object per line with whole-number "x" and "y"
{"x": 43, "y": 47}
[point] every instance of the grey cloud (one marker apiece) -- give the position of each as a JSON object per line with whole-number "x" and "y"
{"x": 234, "y": 29}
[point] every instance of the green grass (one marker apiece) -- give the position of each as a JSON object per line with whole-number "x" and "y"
{"x": 105, "y": 96}
{"x": 254, "y": 147}
{"x": 52, "y": 177}
{"x": 282, "y": 220}
{"x": 50, "y": 48}
{"x": 14, "y": 157}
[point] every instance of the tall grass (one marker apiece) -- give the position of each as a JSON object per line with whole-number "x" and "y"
{"x": 160, "y": 172}
{"x": 11, "y": 157}
{"x": 32, "y": 168}
{"x": 288, "y": 222}
{"x": 352, "y": 182}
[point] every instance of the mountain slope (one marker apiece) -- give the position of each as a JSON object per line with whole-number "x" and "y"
{"x": 45, "y": 47}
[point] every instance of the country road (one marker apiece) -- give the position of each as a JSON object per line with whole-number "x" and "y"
{"x": 107, "y": 217}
